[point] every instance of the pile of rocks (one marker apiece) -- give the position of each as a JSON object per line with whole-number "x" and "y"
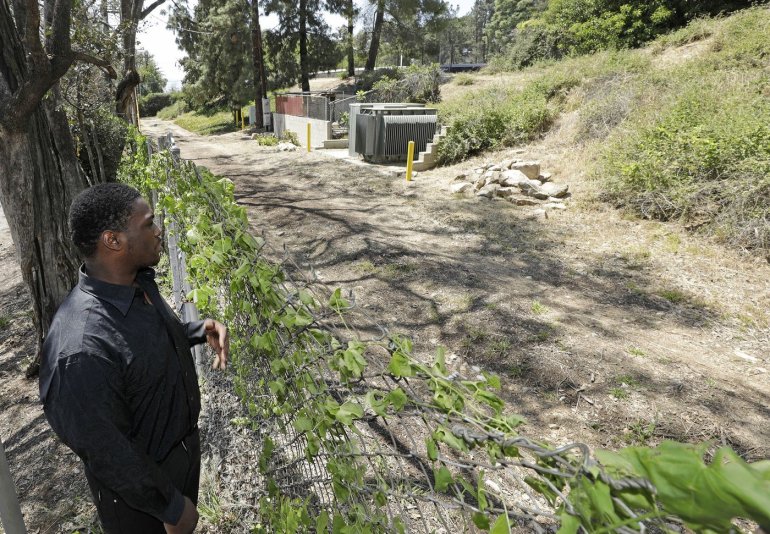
{"x": 516, "y": 181}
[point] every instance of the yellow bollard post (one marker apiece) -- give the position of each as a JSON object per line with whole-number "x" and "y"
{"x": 243, "y": 121}
{"x": 409, "y": 158}
{"x": 308, "y": 137}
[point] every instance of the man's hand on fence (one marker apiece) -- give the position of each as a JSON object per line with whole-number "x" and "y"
{"x": 186, "y": 523}
{"x": 219, "y": 340}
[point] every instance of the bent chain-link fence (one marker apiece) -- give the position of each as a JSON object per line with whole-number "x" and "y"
{"x": 349, "y": 430}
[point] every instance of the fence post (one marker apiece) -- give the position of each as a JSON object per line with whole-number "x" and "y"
{"x": 308, "y": 137}
{"x": 10, "y": 512}
{"x": 409, "y": 161}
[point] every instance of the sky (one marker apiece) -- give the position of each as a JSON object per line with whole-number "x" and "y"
{"x": 158, "y": 41}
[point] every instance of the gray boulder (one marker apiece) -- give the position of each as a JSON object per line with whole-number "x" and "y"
{"x": 555, "y": 190}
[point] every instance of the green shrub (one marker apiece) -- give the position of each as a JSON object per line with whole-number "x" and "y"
{"x": 290, "y": 137}
{"x": 151, "y": 104}
{"x": 207, "y": 123}
{"x": 698, "y": 150}
{"x": 500, "y": 116}
{"x": 533, "y": 42}
{"x": 413, "y": 84}
{"x": 267, "y": 140}
{"x": 173, "y": 111}
{"x": 463, "y": 79}
{"x": 366, "y": 80}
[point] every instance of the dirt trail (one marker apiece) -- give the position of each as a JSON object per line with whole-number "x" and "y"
{"x": 606, "y": 330}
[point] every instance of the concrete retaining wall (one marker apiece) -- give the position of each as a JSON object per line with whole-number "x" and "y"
{"x": 320, "y": 130}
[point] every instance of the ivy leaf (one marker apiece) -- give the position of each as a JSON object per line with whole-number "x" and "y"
{"x": 542, "y": 488}
{"x": 569, "y": 524}
{"x": 303, "y": 424}
{"x": 400, "y": 365}
{"x": 502, "y": 525}
{"x": 481, "y": 520}
{"x": 445, "y": 435}
{"x": 397, "y": 398}
{"x": 432, "y": 449}
{"x": 348, "y": 412}
{"x": 442, "y": 478}
{"x": 322, "y": 522}
{"x": 490, "y": 399}
{"x": 337, "y": 303}
{"x": 440, "y": 363}
{"x": 727, "y": 487}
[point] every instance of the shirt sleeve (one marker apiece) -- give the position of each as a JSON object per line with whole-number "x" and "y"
{"x": 87, "y": 409}
{"x": 196, "y": 333}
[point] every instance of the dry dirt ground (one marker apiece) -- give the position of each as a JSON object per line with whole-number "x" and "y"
{"x": 605, "y": 330}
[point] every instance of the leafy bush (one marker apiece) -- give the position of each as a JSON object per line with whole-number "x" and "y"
{"x": 101, "y": 145}
{"x": 207, "y": 123}
{"x": 500, "y": 116}
{"x": 464, "y": 79}
{"x": 267, "y": 140}
{"x": 366, "y": 80}
{"x": 174, "y": 110}
{"x": 151, "y": 104}
{"x": 591, "y": 25}
{"x": 290, "y": 137}
{"x": 532, "y": 42}
{"x": 699, "y": 149}
{"x": 413, "y": 84}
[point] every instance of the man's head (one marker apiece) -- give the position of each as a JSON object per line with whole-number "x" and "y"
{"x": 114, "y": 219}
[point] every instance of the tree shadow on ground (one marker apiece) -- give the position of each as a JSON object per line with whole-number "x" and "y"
{"x": 471, "y": 275}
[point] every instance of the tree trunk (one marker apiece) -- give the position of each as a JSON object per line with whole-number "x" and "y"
{"x": 260, "y": 89}
{"x": 39, "y": 179}
{"x": 39, "y": 173}
{"x": 351, "y": 51}
{"x": 374, "y": 46}
{"x": 303, "y": 53}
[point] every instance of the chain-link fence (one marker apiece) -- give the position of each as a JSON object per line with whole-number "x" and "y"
{"x": 350, "y": 432}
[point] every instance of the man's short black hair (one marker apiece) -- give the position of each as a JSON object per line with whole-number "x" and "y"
{"x": 99, "y": 208}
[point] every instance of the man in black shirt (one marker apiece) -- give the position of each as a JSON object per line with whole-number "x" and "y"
{"x": 117, "y": 379}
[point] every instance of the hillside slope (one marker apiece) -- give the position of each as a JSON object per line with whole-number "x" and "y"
{"x": 679, "y": 130}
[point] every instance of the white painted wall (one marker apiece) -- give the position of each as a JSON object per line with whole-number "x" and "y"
{"x": 320, "y": 130}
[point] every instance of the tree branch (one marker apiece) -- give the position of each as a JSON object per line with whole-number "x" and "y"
{"x": 150, "y": 9}
{"x": 93, "y": 60}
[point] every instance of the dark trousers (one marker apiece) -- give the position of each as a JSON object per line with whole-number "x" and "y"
{"x": 182, "y": 465}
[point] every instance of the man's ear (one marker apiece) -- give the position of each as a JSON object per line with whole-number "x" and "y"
{"x": 112, "y": 240}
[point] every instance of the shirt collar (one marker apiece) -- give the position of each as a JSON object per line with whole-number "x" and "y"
{"x": 118, "y": 295}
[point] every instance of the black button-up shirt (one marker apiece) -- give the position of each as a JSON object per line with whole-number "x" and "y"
{"x": 119, "y": 390}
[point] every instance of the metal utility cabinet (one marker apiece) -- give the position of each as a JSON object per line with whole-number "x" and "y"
{"x": 381, "y": 132}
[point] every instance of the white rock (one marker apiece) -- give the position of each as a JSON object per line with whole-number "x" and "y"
{"x": 523, "y": 201}
{"x": 512, "y": 178}
{"x": 530, "y": 168}
{"x": 488, "y": 191}
{"x": 493, "y": 177}
{"x": 286, "y": 147}
{"x": 506, "y": 192}
{"x": 495, "y": 167}
{"x": 532, "y": 188}
{"x": 478, "y": 171}
{"x": 461, "y": 187}
{"x": 554, "y": 190}
{"x": 742, "y": 355}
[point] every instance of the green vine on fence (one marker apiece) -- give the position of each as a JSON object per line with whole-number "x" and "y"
{"x": 301, "y": 373}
